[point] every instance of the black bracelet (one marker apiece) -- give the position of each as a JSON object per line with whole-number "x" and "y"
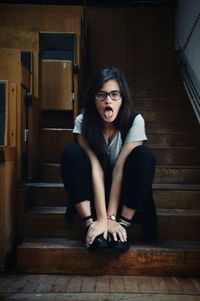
{"x": 84, "y": 219}
{"x": 122, "y": 218}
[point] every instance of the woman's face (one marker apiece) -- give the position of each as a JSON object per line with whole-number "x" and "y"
{"x": 108, "y": 108}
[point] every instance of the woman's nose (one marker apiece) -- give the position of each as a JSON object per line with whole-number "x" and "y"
{"x": 108, "y": 99}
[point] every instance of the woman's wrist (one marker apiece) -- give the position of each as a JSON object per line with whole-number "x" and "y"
{"x": 112, "y": 217}
{"x": 102, "y": 219}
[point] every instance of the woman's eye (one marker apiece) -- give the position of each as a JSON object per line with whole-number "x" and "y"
{"x": 114, "y": 94}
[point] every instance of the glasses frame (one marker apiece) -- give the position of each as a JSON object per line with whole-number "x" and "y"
{"x": 106, "y": 95}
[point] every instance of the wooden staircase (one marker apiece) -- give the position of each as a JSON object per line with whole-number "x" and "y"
{"x": 52, "y": 246}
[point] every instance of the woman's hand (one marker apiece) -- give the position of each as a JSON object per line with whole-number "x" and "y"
{"x": 117, "y": 231}
{"x": 95, "y": 229}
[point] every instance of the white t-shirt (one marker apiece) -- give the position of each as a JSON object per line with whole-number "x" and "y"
{"x": 135, "y": 133}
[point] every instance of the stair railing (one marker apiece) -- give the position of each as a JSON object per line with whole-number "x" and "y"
{"x": 191, "y": 32}
{"x": 190, "y": 80}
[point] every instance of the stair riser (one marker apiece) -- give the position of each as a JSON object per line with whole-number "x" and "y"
{"x": 185, "y": 156}
{"x": 133, "y": 262}
{"x": 47, "y": 196}
{"x": 177, "y": 175}
{"x": 50, "y": 150}
{"x": 183, "y": 199}
{"x": 169, "y": 138}
{"x": 172, "y": 115}
{"x": 162, "y": 175}
{"x": 170, "y": 128}
{"x": 175, "y": 227}
{"x": 173, "y": 140}
{"x": 140, "y": 105}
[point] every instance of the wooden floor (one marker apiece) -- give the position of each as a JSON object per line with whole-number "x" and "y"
{"x": 105, "y": 288}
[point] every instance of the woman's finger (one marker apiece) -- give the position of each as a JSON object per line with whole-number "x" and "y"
{"x": 105, "y": 234}
{"x": 114, "y": 234}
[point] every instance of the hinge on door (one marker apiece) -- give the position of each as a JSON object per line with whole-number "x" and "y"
{"x": 26, "y": 135}
{"x": 72, "y": 97}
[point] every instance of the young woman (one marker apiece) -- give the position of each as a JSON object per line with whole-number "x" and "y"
{"x": 108, "y": 173}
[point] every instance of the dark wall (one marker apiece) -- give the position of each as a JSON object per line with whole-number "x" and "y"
{"x": 138, "y": 40}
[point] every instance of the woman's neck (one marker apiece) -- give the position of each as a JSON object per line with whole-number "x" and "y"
{"x": 109, "y": 130}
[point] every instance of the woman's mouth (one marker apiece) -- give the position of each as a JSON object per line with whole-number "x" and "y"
{"x": 108, "y": 112}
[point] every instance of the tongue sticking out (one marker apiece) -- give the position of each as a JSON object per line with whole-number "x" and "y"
{"x": 108, "y": 113}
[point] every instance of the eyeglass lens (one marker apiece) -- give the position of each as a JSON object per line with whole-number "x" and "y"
{"x": 114, "y": 95}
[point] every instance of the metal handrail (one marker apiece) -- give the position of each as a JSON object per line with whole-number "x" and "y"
{"x": 191, "y": 32}
{"x": 190, "y": 82}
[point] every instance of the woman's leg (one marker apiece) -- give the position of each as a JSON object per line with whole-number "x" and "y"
{"x": 137, "y": 190}
{"x": 76, "y": 175}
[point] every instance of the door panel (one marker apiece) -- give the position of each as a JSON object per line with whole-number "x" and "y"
{"x": 56, "y": 85}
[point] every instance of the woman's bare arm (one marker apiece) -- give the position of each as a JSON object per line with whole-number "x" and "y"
{"x": 113, "y": 227}
{"x": 100, "y": 226}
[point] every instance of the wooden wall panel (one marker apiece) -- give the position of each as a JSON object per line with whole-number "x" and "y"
{"x": 11, "y": 115}
{"x": 7, "y": 206}
{"x": 25, "y": 39}
{"x": 71, "y": 10}
{"x": 56, "y": 85}
{"x": 10, "y": 70}
{"x": 105, "y": 38}
{"x": 19, "y": 37}
{"x": 26, "y": 77}
{"x": 140, "y": 41}
{"x": 9, "y": 65}
{"x": 46, "y": 22}
{"x": 33, "y": 138}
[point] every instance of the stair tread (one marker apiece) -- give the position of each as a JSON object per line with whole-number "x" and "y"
{"x": 158, "y": 166}
{"x": 160, "y": 211}
{"x": 56, "y": 129}
{"x": 168, "y": 186}
{"x": 51, "y": 242}
{"x": 59, "y": 255}
{"x": 155, "y": 186}
{"x": 44, "y": 184}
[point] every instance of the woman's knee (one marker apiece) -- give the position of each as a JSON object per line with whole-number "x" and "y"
{"x": 142, "y": 154}
{"x": 71, "y": 152}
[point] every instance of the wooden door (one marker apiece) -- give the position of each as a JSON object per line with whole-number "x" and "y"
{"x": 57, "y": 85}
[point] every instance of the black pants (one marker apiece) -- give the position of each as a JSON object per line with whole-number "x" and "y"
{"x": 136, "y": 191}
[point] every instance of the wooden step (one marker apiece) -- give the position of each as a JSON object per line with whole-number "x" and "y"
{"x": 173, "y": 224}
{"x": 160, "y": 99}
{"x": 166, "y": 195}
{"x": 186, "y": 156}
{"x": 173, "y": 140}
{"x": 182, "y": 196}
{"x": 177, "y": 174}
{"x": 51, "y": 173}
{"x": 163, "y": 174}
{"x": 56, "y": 255}
{"x": 47, "y": 195}
{"x": 151, "y": 104}
{"x": 156, "y": 127}
{"x": 53, "y": 142}
{"x": 168, "y": 115}
{"x": 175, "y": 93}
{"x": 164, "y": 85}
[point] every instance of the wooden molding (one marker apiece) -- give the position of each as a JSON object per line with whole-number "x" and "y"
{"x": 7, "y": 153}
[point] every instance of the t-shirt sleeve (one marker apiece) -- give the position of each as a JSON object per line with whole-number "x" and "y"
{"x": 78, "y": 124}
{"x": 137, "y": 131}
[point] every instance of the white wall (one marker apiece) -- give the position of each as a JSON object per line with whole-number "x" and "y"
{"x": 185, "y": 17}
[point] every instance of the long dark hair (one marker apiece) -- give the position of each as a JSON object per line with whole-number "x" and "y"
{"x": 92, "y": 127}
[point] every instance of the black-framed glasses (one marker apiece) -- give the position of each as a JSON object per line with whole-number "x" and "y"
{"x": 114, "y": 95}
